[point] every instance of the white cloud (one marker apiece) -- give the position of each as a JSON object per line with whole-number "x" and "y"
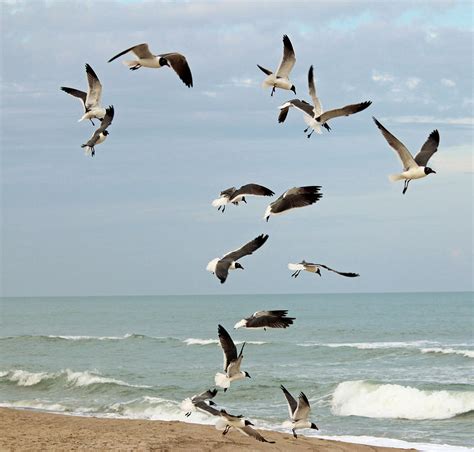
{"x": 412, "y": 82}
{"x": 447, "y": 82}
{"x": 212, "y": 94}
{"x": 382, "y": 77}
{"x": 455, "y": 159}
{"x": 245, "y": 82}
{"x": 464, "y": 121}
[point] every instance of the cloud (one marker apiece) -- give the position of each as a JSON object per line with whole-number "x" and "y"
{"x": 414, "y": 119}
{"x": 382, "y": 77}
{"x": 212, "y": 94}
{"x": 455, "y": 159}
{"x": 412, "y": 82}
{"x": 447, "y": 82}
{"x": 245, "y": 82}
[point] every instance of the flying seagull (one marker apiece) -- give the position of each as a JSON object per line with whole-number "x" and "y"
{"x": 299, "y": 412}
{"x": 232, "y": 361}
{"x": 228, "y": 421}
{"x": 201, "y": 402}
{"x": 100, "y": 134}
{"x": 266, "y": 319}
{"x": 234, "y": 195}
{"x": 413, "y": 168}
{"x": 313, "y": 114}
{"x": 280, "y": 78}
{"x": 293, "y": 198}
{"x": 315, "y": 268}
{"x": 90, "y": 100}
{"x": 220, "y": 267}
{"x": 147, "y": 59}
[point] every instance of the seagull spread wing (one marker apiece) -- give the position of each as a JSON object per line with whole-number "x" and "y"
{"x": 428, "y": 149}
{"x": 288, "y": 60}
{"x": 344, "y": 111}
{"x": 312, "y": 92}
{"x": 180, "y": 65}
{"x": 247, "y": 249}
{"x": 203, "y": 406}
{"x": 228, "y": 346}
{"x": 404, "y": 154}
{"x": 140, "y": 50}
{"x": 249, "y": 431}
{"x": 81, "y": 95}
{"x": 292, "y": 404}
{"x": 95, "y": 88}
{"x": 348, "y": 274}
{"x": 251, "y": 190}
{"x": 303, "y": 409}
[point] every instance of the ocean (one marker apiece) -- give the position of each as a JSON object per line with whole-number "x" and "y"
{"x": 385, "y": 369}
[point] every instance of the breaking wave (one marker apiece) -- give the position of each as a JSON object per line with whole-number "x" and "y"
{"x": 363, "y": 398}
{"x": 449, "y": 351}
{"x": 54, "y": 337}
{"x": 194, "y": 341}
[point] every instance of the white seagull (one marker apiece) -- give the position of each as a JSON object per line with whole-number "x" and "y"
{"x": 299, "y": 412}
{"x": 313, "y": 114}
{"x": 200, "y": 402}
{"x": 266, "y": 319}
{"x": 316, "y": 268}
{"x": 228, "y": 421}
{"x": 90, "y": 100}
{"x": 234, "y": 195}
{"x": 221, "y": 266}
{"x": 232, "y": 361}
{"x": 146, "y": 59}
{"x": 100, "y": 134}
{"x": 280, "y": 78}
{"x": 413, "y": 168}
{"x": 293, "y": 198}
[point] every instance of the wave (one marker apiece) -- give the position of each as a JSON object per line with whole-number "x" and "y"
{"x": 370, "y": 345}
{"x": 194, "y": 341}
{"x": 363, "y": 398}
{"x": 53, "y": 337}
{"x": 449, "y": 351}
{"x": 67, "y": 377}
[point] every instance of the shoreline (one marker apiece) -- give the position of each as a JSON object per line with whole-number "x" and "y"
{"x": 34, "y": 430}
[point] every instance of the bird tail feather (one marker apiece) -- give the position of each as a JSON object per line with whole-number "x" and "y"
{"x": 130, "y": 63}
{"x": 187, "y": 405}
{"x": 222, "y": 380}
{"x": 219, "y": 202}
{"x": 395, "y": 177}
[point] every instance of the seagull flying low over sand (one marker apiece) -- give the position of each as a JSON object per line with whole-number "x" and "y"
{"x": 91, "y": 99}
{"x": 413, "y": 168}
{"x": 200, "y": 402}
{"x": 234, "y": 195}
{"x": 232, "y": 361}
{"x": 280, "y": 78}
{"x": 313, "y": 114}
{"x": 299, "y": 412}
{"x": 266, "y": 319}
{"x": 293, "y": 198}
{"x": 101, "y": 133}
{"x": 146, "y": 59}
{"x": 228, "y": 421}
{"x": 316, "y": 268}
{"x": 220, "y": 267}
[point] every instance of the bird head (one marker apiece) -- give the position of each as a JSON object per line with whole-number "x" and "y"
{"x": 429, "y": 170}
{"x": 237, "y": 265}
{"x": 163, "y": 61}
{"x": 314, "y": 426}
{"x": 293, "y": 89}
{"x": 247, "y": 375}
{"x": 105, "y": 132}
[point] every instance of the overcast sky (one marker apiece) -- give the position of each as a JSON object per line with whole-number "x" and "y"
{"x": 137, "y": 219}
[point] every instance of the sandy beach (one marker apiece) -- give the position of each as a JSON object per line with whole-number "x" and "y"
{"x": 34, "y": 431}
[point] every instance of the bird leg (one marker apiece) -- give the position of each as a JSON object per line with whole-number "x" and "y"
{"x": 188, "y": 414}
{"x": 305, "y": 130}
{"x": 273, "y": 90}
{"x": 294, "y": 433}
{"x": 244, "y": 200}
{"x": 91, "y": 121}
{"x": 137, "y": 66}
{"x": 226, "y": 430}
{"x": 405, "y": 188}
{"x": 92, "y": 152}
{"x": 309, "y": 136}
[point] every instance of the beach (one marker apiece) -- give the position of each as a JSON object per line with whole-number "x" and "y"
{"x": 29, "y": 430}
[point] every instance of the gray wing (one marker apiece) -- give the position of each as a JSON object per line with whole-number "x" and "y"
{"x": 312, "y": 92}
{"x": 140, "y": 50}
{"x": 228, "y": 346}
{"x": 95, "y": 88}
{"x": 251, "y": 189}
{"x": 302, "y": 190}
{"x": 203, "y": 406}
{"x": 247, "y": 249}
{"x": 298, "y": 198}
{"x": 81, "y": 95}
{"x": 344, "y": 111}
{"x": 234, "y": 366}
{"x": 292, "y": 404}
{"x": 266, "y": 319}
{"x": 303, "y": 409}
{"x": 109, "y": 115}
{"x": 222, "y": 269}
{"x": 206, "y": 395}
{"x": 428, "y": 149}
{"x": 288, "y": 60}
{"x": 265, "y": 71}
{"x": 404, "y": 154}
{"x": 180, "y": 65}
{"x": 349, "y": 275}
{"x": 228, "y": 192}
{"x": 249, "y": 431}
{"x": 298, "y": 104}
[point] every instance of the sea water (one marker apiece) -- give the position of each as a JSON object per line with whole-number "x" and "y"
{"x": 387, "y": 369}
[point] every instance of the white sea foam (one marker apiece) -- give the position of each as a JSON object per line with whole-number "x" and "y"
{"x": 194, "y": 341}
{"x": 370, "y": 345}
{"x": 36, "y": 405}
{"x": 449, "y": 351}
{"x": 87, "y": 378}
{"x": 25, "y": 378}
{"x": 362, "y": 398}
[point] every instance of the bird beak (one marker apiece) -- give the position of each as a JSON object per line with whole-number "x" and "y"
{"x": 434, "y": 171}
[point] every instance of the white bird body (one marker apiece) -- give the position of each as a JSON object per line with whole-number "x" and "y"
{"x": 278, "y": 82}
{"x": 211, "y": 266}
{"x": 153, "y": 62}
{"x": 96, "y": 112}
{"x": 224, "y": 381}
{"x": 412, "y": 173}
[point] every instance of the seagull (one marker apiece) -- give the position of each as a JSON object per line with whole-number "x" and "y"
{"x": 280, "y": 78}
{"x": 147, "y": 59}
{"x": 91, "y": 99}
{"x": 200, "y": 402}
{"x": 413, "y": 168}
{"x": 313, "y": 114}
{"x": 234, "y": 196}
{"x": 266, "y": 319}
{"x": 232, "y": 361}
{"x": 299, "y": 411}
{"x": 315, "y": 268}
{"x": 101, "y": 133}
{"x": 293, "y": 198}
{"x": 228, "y": 421}
{"x": 220, "y": 267}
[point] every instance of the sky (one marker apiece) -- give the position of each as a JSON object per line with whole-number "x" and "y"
{"x": 137, "y": 220}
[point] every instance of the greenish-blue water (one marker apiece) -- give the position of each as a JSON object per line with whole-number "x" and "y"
{"x": 372, "y": 365}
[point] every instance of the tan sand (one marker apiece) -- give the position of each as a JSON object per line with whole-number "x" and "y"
{"x": 22, "y": 430}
